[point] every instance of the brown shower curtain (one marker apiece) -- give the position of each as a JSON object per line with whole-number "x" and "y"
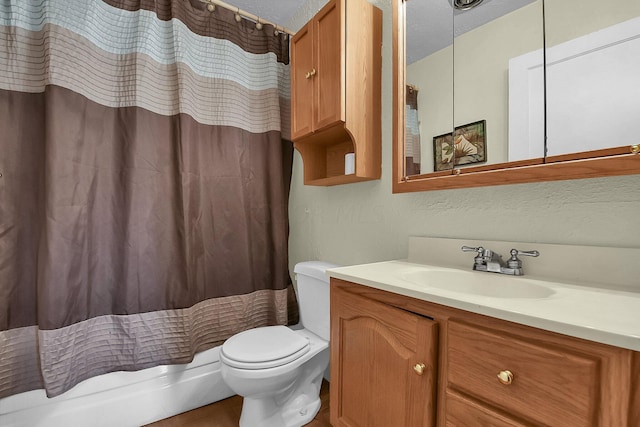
{"x": 145, "y": 177}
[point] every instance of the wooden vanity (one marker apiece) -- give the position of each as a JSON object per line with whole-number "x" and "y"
{"x": 403, "y": 361}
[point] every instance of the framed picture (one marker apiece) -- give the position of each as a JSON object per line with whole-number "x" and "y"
{"x": 466, "y": 145}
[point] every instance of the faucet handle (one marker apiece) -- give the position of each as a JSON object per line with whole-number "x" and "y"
{"x": 516, "y": 252}
{"x": 478, "y": 260}
{"x": 514, "y": 262}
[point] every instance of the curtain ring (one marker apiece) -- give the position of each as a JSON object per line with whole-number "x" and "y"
{"x": 258, "y": 24}
{"x": 211, "y": 7}
{"x": 238, "y": 16}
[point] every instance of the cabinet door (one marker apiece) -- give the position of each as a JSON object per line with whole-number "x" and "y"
{"x": 329, "y": 59}
{"x": 302, "y": 83}
{"x": 376, "y": 357}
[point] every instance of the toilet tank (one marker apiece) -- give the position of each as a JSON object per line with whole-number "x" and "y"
{"x": 313, "y": 296}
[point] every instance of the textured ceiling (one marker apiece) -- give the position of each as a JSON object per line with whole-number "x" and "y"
{"x": 430, "y": 23}
{"x": 277, "y": 11}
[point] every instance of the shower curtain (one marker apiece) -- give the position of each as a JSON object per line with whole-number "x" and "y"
{"x": 145, "y": 173}
{"x": 412, "y": 132}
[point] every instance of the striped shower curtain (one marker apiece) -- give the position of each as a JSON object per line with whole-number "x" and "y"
{"x": 144, "y": 179}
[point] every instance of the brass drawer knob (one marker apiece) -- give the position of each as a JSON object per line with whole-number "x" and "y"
{"x": 311, "y": 73}
{"x": 635, "y": 149}
{"x": 419, "y": 368}
{"x": 505, "y": 377}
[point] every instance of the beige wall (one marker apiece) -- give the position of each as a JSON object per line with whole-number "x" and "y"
{"x": 365, "y": 222}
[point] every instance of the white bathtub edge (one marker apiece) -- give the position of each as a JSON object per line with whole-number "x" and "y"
{"x": 123, "y": 398}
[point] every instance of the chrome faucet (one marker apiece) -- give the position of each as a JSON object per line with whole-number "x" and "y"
{"x": 488, "y": 260}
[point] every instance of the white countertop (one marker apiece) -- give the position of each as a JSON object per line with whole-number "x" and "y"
{"x": 601, "y": 315}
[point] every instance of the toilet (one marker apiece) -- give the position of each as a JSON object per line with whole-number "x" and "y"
{"x": 279, "y": 370}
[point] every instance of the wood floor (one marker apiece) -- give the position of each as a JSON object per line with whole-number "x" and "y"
{"x": 226, "y": 413}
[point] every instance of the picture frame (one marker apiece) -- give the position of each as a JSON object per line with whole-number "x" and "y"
{"x": 467, "y": 144}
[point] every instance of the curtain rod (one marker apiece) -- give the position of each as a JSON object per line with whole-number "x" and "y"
{"x": 211, "y": 4}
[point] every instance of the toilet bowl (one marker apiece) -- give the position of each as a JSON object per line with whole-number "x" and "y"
{"x": 279, "y": 370}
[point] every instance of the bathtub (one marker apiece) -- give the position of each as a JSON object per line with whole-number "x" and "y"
{"x": 122, "y": 398}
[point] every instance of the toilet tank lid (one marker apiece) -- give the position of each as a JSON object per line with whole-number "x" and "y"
{"x": 315, "y": 269}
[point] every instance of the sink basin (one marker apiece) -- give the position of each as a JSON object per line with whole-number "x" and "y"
{"x": 478, "y": 283}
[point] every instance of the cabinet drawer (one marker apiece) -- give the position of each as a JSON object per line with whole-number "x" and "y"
{"x": 551, "y": 385}
{"x": 462, "y": 412}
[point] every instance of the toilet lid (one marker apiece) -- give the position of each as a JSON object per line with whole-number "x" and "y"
{"x": 265, "y": 347}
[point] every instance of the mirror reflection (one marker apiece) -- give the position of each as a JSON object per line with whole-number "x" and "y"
{"x": 429, "y": 77}
{"x": 469, "y": 50}
{"x": 593, "y": 70}
{"x": 475, "y": 93}
{"x": 489, "y": 40}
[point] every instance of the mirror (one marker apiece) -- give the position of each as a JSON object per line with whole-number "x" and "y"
{"x": 592, "y": 70}
{"x": 490, "y": 38}
{"x": 429, "y": 81}
{"x": 470, "y": 105}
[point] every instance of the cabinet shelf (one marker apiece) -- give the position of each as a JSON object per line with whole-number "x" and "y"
{"x": 337, "y": 180}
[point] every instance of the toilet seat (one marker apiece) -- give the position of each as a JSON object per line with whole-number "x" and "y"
{"x": 262, "y": 348}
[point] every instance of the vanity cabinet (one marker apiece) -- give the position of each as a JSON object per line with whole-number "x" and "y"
{"x": 541, "y": 380}
{"x": 384, "y": 369}
{"x": 335, "y": 92}
{"x": 490, "y": 372}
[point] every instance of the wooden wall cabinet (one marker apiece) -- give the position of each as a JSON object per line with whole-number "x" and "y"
{"x": 555, "y": 380}
{"x": 335, "y": 92}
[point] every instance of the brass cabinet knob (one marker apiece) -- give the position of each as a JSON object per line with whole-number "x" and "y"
{"x": 419, "y": 368}
{"x": 311, "y": 73}
{"x": 505, "y": 377}
{"x": 635, "y": 149}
